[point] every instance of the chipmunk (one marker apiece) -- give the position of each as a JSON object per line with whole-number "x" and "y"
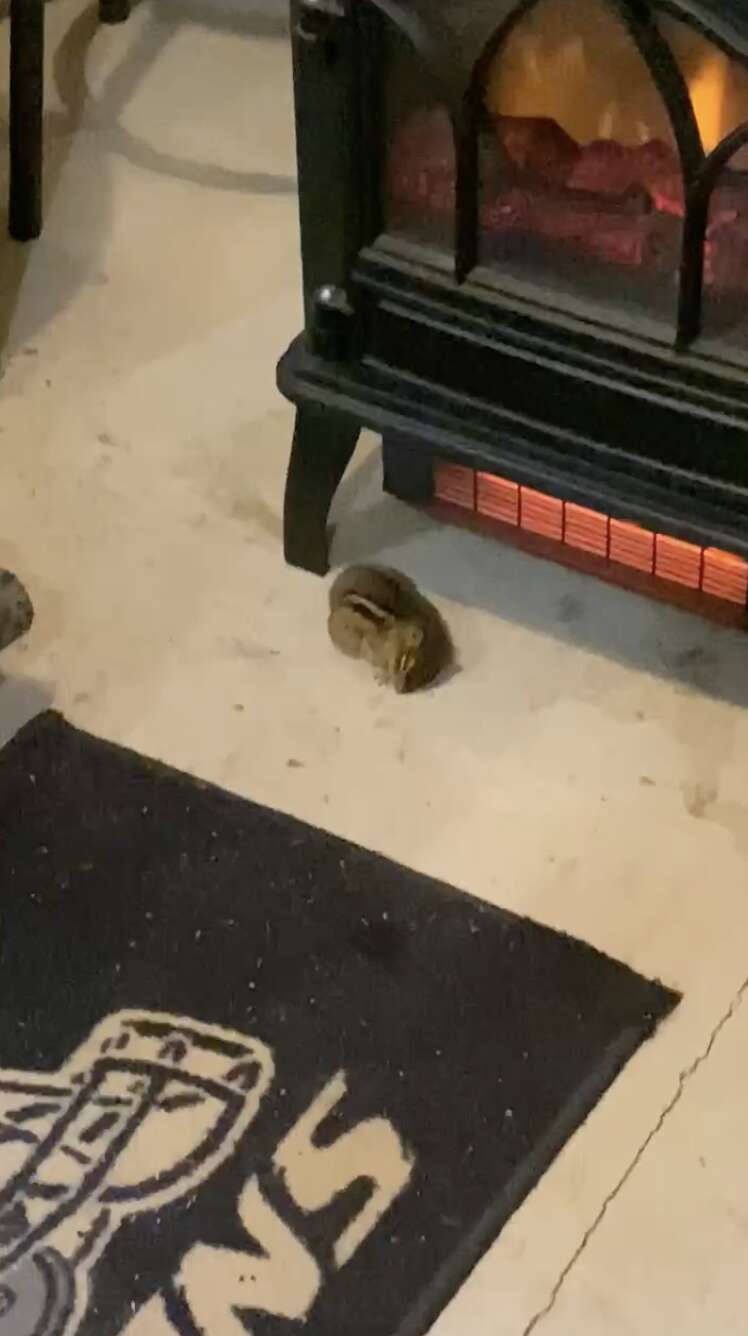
{"x": 379, "y": 615}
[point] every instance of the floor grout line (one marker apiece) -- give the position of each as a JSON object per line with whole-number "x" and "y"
{"x": 683, "y": 1080}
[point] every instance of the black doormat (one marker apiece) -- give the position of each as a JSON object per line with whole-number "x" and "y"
{"x": 252, "y": 1073}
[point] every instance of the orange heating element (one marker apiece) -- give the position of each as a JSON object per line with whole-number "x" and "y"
{"x": 714, "y": 572}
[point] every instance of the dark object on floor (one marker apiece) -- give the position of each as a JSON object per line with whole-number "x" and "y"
{"x": 379, "y": 615}
{"x": 27, "y": 111}
{"x": 114, "y": 11}
{"x": 193, "y": 985}
{"x": 16, "y": 611}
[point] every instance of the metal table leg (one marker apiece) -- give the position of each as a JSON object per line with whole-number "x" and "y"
{"x": 26, "y": 111}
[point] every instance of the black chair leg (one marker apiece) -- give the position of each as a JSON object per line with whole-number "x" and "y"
{"x": 26, "y": 112}
{"x": 114, "y": 11}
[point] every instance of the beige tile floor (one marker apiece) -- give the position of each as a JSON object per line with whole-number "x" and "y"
{"x": 588, "y": 764}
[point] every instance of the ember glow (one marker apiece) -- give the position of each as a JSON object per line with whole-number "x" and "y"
{"x": 577, "y": 155}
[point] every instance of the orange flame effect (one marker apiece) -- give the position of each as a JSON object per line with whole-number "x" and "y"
{"x": 575, "y": 62}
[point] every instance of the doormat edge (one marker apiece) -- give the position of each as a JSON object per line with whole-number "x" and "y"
{"x": 36, "y": 728}
{"x": 528, "y": 1178}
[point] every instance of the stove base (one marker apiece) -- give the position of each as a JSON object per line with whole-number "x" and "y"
{"x": 339, "y": 393}
{"x": 412, "y": 475}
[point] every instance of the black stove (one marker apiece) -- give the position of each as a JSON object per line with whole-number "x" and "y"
{"x": 524, "y": 235}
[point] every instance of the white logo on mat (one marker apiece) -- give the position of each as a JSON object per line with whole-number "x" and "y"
{"x": 142, "y": 1114}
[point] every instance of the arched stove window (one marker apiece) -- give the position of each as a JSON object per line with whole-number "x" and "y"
{"x": 577, "y": 152}
{"x": 420, "y": 164}
{"x": 717, "y": 276}
{"x": 602, "y": 150}
{"x": 715, "y": 259}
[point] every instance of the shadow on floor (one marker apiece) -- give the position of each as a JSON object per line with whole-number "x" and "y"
{"x": 61, "y": 271}
{"x": 21, "y": 699}
{"x": 477, "y": 571}
{"x": 380, "y": 521}
{"x": 162, "y": 24}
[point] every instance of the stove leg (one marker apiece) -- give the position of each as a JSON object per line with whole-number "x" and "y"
{"x": 408, "y": 468}
{"x": 323, "y": 443}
